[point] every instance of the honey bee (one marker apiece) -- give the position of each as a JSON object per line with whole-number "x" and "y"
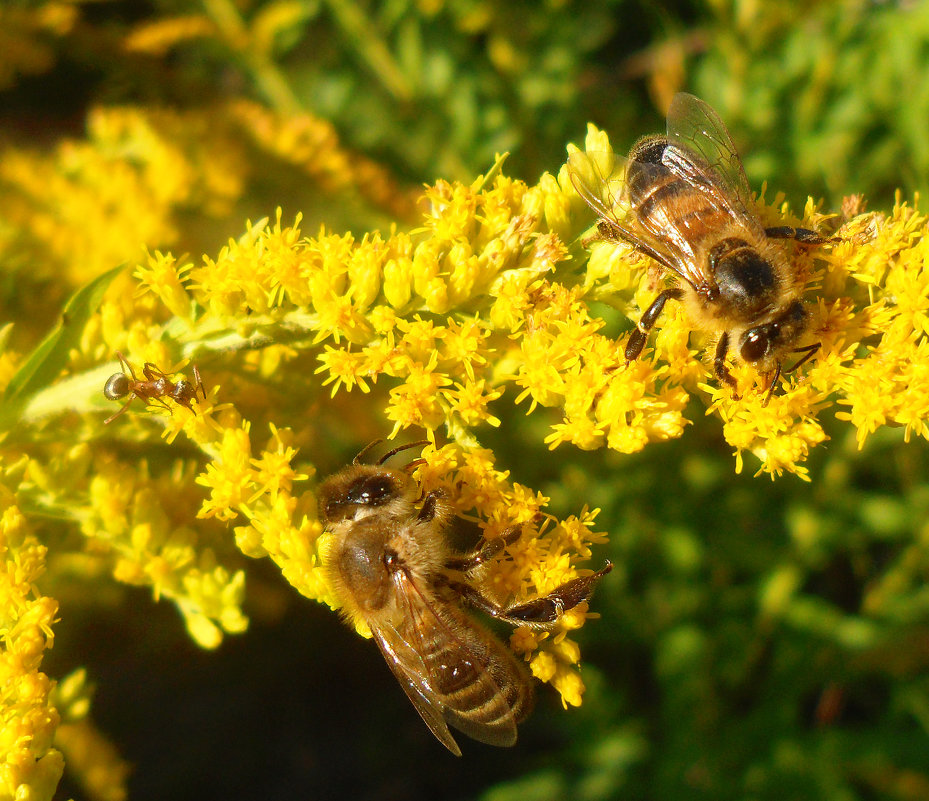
{"x": 392, "y": 567}
{"x": 153, "y": 388}
{"x": 685, "y": 202}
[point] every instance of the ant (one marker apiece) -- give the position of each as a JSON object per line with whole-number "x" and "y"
{"x": 155, "y": 387}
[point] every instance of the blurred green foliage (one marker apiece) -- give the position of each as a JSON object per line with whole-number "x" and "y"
{"x": 759, "y": 640}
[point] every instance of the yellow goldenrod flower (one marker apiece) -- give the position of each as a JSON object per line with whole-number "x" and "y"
{"x": 312, "y": 145}
{"x": 92, "y": 759}
{"x": 29, "y": 766}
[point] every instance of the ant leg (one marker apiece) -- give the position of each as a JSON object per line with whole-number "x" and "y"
{"x": 112, "y": 417}
{"x": 647, "y": 321}
{"x": 155, "y": 399}
{"x": 152, "y": 373}
{"x": 540, "y": 613}
{"x": 484, "y": 552}
{"x": 198, "y": 384}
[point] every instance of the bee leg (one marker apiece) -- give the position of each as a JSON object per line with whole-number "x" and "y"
{"x": 430, "y": 508}
{"x": 807, "y": 352}
{"x": 638, "y": 337}
{"x": 719, "y": 363}
{"x": 485, "y": 551}
{"x": 540, "y": 613}
{"x": 773, "y": 384}
{"x": 803, "y": 235}
{"x": 546, "y": 611}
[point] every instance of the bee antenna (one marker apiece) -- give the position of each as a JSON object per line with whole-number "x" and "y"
{"x": 398, "y": 449}
{"x": 365, "y": 449}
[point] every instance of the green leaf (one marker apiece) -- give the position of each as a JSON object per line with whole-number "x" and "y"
{"x": 51, "y": 354}
{"x": 484, "y": 181}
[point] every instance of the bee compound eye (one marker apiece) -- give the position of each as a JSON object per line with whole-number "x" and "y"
{"x": 755, "y": 345}
{"x": 371, "y": 490}
{"x": 331, "y": 509}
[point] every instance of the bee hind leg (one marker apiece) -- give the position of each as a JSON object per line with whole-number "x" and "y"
{"x": 539, "y": 613}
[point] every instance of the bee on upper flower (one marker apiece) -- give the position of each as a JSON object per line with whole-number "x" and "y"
{"x": 685, "y": 202}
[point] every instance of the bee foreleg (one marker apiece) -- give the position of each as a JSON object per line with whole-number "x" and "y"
{"x": 719, "y": 361}
{"x": 807, "y": 352}
{"x": 647, "y": 321}
{"x": 803, "y": 235}
{"x": 485, "y": 551}
{"x": 772, "y": 385}
{"x": 430, "y": 507}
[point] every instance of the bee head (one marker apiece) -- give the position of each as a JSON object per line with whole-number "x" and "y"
{"x": 762, "y": 345}
{"x": 361, "y": 490}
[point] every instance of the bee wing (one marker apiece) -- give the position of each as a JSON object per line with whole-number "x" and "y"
{"x": 410, "y": 671}
{"x": 600, "y": 179}
{"x": 701, "y": 151}
{"x": 433, "y": 663}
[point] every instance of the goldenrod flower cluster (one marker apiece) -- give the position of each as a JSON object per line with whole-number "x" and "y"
{"x": 490, "y": 303}
{"x": 30, "y": 766}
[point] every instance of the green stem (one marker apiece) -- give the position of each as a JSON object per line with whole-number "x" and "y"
{"x": 365, "y": 38}
{"x": 271, "y": 82}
